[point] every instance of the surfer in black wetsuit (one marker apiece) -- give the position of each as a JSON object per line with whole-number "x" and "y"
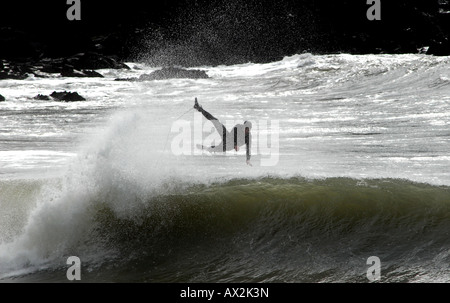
{"x": 239, "y": 136}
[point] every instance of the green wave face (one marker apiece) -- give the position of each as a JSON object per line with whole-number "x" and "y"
{"x": 286, "y": 230}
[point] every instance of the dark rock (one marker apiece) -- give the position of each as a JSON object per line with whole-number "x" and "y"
{"x": 70, "y": 72}
{"x": 51, "y": 67}
{"x": 174, "y": 72}
{"x": 2, "y": 98}
{"x": 17, "y": 71}
{"x": 20, "y": 71}
{"x": 92, "y": 74}
{"x": 66, "y": 70}
{"x": 67, "y": 96}
{"x": 42, "y": 97}
{"x": 91, "y": 60}
{"x": 170, "y": 73}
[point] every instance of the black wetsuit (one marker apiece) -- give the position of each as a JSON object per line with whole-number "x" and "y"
{"x": 237, "y": 137}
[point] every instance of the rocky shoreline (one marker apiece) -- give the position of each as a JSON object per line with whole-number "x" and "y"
{"x": 78, "y": 65}
{"x": 223, "y": 33}
{"x": 84, "y": 65}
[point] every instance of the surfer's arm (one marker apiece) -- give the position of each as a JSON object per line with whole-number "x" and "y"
{"x": 248, "y": 148}
{"x": 236, "y": 147}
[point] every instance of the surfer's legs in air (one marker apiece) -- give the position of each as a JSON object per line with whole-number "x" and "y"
{"x": 219, "y": 127}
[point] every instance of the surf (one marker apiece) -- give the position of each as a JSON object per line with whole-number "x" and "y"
{"x": 264, "y": 216}
{"x": 360, "y": 173}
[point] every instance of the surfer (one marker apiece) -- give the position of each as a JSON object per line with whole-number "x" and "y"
{"x": 239, "y": 136}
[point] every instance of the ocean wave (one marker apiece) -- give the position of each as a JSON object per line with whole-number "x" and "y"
{"x": 307, "y": 221}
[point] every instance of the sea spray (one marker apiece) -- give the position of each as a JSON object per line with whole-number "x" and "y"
{"x": 114, "y": 170}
